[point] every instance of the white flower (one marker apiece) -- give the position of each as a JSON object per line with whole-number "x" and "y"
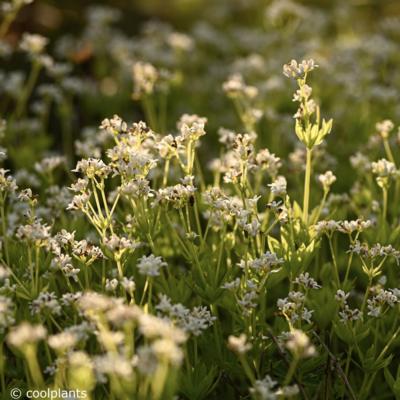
{"x": 374, "y": 310}
{"x": 348, "y": 314}
{"x": 153, "y": 327}
{"x": 278, "y": 187}
{"x": 327, "y": 179}
{"x": 235, "y": 87}
{"x": 33, "y": 44}
{"x": 6, "y": 313}
{"x": 145, "y": 76}
{"x": 45, "y": 302}
{"x": 264, "y": 389}
{"x": 361, "y": 162}
{"x": 178, "y": 196}
{"x": 384, "y": 168}
{"x": 62, "y": 341}
{"x": 114, "y": 125}
{"x": 48, "y": 164}
{"x": 92, "y": 168}
{"x": 341, "y": 296}
{"x": 26, "y": 334}
{"x": 299, "y": 344}
{"x": 251, "y": 228}
{"x": 128, "y": 284}
{"x": 384, "y": 128}
{"x": 193, "y": 321}
{"x": 36, "y": 232}
{"x": 233, "y": 285}
{"x": 167, "y": 349}
{"x": 111, "y": 284}
{"x": 180, "y": 41}
{"x": 150, "y": 265}
{"x": 239, "y": 344}
{"x": 307, "y": 281}
{"x": 119, "y": 243}
{"x": 299, "y": 70}
{"x": 266, "y": 262}
{"x": 113, "y": 364}
{"x": 327, "y": 227}
{"x": 356, "y": 225}
{"x": 7, "y": 183}
{"x": 288, "y": 391}
{"x": 268, "y": 161}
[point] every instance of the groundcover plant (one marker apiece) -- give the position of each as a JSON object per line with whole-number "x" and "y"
{"x": 204, "y": 208}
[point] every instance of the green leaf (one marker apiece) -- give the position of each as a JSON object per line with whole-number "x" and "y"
{"x": 198, "y": 383}
{"x": 274, "y": 245}
{"x": 344, "y": 333}
{"x": 389, "y": 378}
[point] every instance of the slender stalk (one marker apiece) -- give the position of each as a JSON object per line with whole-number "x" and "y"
{"x": 385, "y": 203}
{"x": 37, "y": 268}
{"x": 149, "y": 111}
{"x": 33, "y": 366}
{"x": 388, "y": 151}
{"x": 159, "y": 381}
{"x": 346, "y": 277}
{"x": 27, "y": 91}
{"x": 4, "y": 229}
{"x": 166, "y": 173}
{"x": 307, "y": 179}
{"x": 321, "y": 206}
{"x": 291, "y": 371}
{"x": 247, "y": 369}
{"x": 9, "y": 18}
{"x": 220, "y": 253}
{"x": 366, "y": 294}
{"x": 335, "y": 265}
{"x": 146, "y": 285}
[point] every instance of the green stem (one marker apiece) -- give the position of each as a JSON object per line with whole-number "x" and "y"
{"x": 37, "y": 254}
{"x": 159, "y": 381}
{"x": 149, "y": 111}
{"x": 220, "y": 253}
{"x": 9, "y": 18}
{"x": 335, "y": 265}
{"x": 366, "y": 295}
{"x": 33, "y": 365}
{"x": 385, "y": 203}
{"x": 307, "y": 179}
{"x": 166, "y": 172}
{"x": 291, "y": 371}
{"x": 4, "y": 229}
{"x": 33, "y": 76}
{"x": 248, "y": 371}
{"x": 388, "y": 151}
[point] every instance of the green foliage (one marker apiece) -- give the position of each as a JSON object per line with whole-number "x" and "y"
{"x": 201, "y": 257}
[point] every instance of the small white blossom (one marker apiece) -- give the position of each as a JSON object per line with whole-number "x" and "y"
{"x": 150, "y": 265}
{"x": 299, "y": 344}
{"x": 26, "y": 334}
{"x": 239, "y": 344}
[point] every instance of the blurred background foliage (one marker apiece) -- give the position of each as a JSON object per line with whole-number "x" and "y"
{"x": 356, "y": 43}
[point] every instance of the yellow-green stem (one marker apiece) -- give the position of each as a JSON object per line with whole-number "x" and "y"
{"x": 385, "y": 203}
{"x": 307, "y": 179}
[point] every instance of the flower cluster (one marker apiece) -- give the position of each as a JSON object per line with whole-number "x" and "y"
{"x": 196, "y": 217}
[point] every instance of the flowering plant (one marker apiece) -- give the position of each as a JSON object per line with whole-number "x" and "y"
{"x": 144, "y": 263}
